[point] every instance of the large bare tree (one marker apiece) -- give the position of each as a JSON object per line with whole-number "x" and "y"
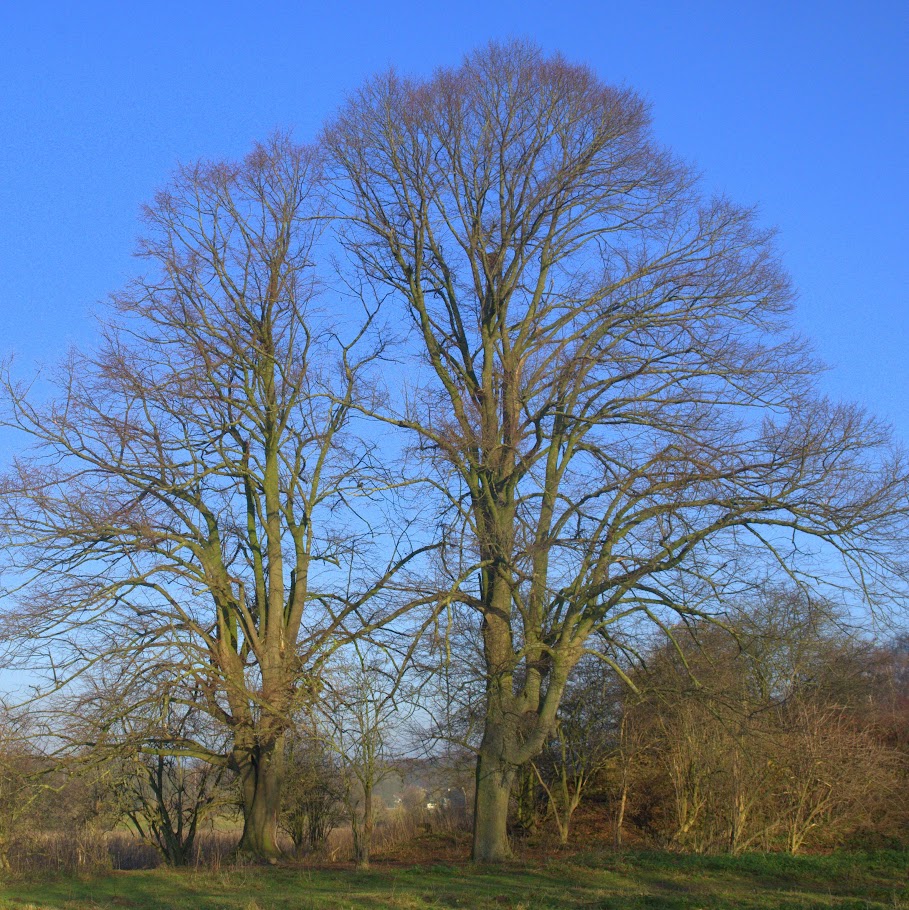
{"x": 193, "y": 506}
{"x": 603, "y": 389}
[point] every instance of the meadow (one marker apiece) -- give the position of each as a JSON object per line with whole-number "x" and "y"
{"x": 603, "y": 880}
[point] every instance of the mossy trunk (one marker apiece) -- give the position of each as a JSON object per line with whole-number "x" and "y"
{"x": 490, "y": 822}
{"x": 261, "y": 777}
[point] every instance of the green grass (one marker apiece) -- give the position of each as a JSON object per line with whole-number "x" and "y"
{"x": 589, "y": 880}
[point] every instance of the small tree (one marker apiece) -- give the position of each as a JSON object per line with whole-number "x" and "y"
{"x": 313, "y": 792}
{"x": 584, "y": 744}
{"x": 754, "y": 734}
{"x": 149, "y": 753}
{"x": 355, "y": 715}
{"x": 633, "y": 743}
{"x": 165, "y": 798}
{"x": 832, "y": 775}
{"x": 22, "y": 771}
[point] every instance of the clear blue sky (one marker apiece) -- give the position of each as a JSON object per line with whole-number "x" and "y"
{"x": 800, "y": 107}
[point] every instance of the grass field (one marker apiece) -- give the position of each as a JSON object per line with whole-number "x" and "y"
{"x": 593, "y": 880}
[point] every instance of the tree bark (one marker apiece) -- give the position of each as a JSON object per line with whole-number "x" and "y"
{"x": 363, "y": 836}
{"x": 490, "y": 824}
{"x": 261, "y": 774}
{"x": 620, "y": 817}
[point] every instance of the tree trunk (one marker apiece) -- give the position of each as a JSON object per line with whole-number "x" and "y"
{"x": 261, "y": 776}
{"x": 527, "y": 821}
{"x": 490, "y": 821}
{"x": 620, "y": 817}
{"x": 363, "y": 843}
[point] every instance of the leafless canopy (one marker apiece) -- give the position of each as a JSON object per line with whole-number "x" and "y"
{"x": 187, "y": 508}
{"x": 601, "y": 397}
{"x": 606, "y": 398}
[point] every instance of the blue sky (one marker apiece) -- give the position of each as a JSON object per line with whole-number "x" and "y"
{"x": 800, "y": 108}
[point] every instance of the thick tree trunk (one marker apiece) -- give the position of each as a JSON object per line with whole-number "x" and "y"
{"x": 261, "y": 777}
{"x": 490, "y": 821}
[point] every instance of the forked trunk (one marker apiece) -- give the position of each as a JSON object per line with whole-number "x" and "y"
{"x": 490, "y": 821}
{"x": 261, "y": 777}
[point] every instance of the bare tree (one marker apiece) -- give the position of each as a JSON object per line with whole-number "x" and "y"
{"x": 313, "y": 791}
{"x": 22, "y": 774}
{"x": 356, "y": 720}
{"x": 632, "y": 745}
{"x": 585, "y": 741}
{"x": 193, "y": 506}
{"x": 832, "y": 774}
{"x": 133, "y": 746}
{"x": 603, "y": 392}
{"x": 165, "y": 798}
{"x": 753, "y": 734}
